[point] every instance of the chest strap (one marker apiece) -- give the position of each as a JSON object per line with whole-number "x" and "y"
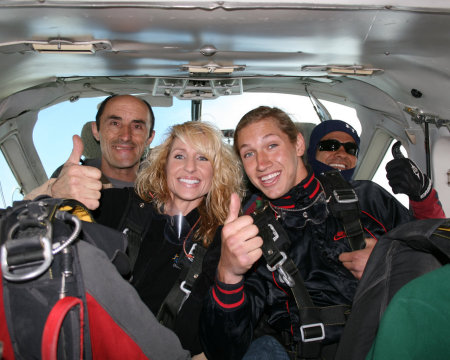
{"x": 182, "y": 288}
{"x": 313, "y": 319}
{"x": 344, "y": 206}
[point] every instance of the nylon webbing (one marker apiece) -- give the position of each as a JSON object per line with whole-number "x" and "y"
{"x": 182, "y": 288}
{"x": 344, "y": 206}
{"x": 312, "y": 318}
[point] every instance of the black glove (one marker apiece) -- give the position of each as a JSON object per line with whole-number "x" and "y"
{"x": 406, "y": 178}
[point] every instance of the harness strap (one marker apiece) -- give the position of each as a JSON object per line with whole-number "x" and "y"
{"x": 135, "y": 229}
{"x": 182, "y": 288}
{"x": 134, "y": 236}
{"x": 53, "y": 325}
{"x": 344, "y": 206}
{"x": 313, "y": 319}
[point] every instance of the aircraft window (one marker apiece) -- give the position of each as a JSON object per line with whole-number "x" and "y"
{"x": 9, "y": 189}
{"x": 64, "y": 119}
{"x": 226, "y": 112}
{"x": 380, "y": 175}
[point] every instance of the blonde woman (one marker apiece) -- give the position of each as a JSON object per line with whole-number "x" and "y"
{"x": 181, "y": 198}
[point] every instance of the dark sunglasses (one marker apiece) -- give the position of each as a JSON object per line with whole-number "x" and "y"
{"x": 334, "y": 145}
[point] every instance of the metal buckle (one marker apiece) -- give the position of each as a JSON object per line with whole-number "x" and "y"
{"x": 317, "y": 338}
{"x": 345, "y": 196}
{"x": 191, "y": 258}
{"x": 186, "y": 296}
{"x": 279, "y": 263}
{"x": 184, "y": 289}
{"x": 284, "y": 276}
{"x": 36, "y": 268}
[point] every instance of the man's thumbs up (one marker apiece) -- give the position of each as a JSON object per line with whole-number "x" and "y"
{"x": 76, "y": 181}
{"x": 77, "y": 150}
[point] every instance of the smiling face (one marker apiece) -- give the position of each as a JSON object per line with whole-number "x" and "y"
{"x": 272, "y": 162}
{"x": 189, "y": 177}
{"x": 340, "y": 159}
{"x": 123, "y": 135}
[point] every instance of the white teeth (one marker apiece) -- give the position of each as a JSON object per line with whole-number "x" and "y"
{"x": 338, "y": 166}
{"x": 189, "y": 181}
{"x": 270, "y": 176}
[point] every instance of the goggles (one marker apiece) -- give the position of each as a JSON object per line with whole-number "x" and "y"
{"x": 334, "y": 145}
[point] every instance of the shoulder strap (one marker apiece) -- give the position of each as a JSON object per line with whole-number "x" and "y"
{"x": 344, "y": 206}
{"x": 133, "y": 226}
{"x": 182, "y": 288}
{"x": 313, "y": 319}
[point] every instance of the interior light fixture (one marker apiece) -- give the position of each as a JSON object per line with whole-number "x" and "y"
{"x": 56, "y": 46}
{"x": 360, "y": 70}
{"x": 67, "y": 46}
{"x": 212, "y": 68}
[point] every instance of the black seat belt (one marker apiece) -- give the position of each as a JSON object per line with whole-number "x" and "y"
{"x": 345, "y": 206}
{"x": 313, "y": 319}
{"x": 182, "y": 288}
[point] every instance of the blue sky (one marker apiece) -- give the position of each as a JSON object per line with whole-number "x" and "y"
{"x": 53, "y": 132}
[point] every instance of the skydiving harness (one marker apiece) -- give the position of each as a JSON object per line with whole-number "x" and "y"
{"x": 136, "y": 226}
{"x": 344, "y": 206}
{"x": 43, "y": 282}
{"x": 313, "y": 319}
{"x": 182, "y": 288}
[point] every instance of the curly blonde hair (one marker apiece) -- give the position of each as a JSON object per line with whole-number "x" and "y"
{"x": 206, "y": 139}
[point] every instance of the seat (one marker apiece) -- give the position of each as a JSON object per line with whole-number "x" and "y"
{"x": 91, "y": 145}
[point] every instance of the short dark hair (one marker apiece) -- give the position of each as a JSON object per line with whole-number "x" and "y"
{"x": 102, "y": 108}
{"x": 282, "y": 119}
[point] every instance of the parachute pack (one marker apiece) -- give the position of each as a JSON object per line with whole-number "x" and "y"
{"x": 62, "y": 295}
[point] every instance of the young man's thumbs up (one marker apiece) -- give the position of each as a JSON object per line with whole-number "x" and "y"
{"x": 241, "y": 245}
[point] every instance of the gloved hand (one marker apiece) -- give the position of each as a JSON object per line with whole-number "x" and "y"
{"x": 406, "y": 178}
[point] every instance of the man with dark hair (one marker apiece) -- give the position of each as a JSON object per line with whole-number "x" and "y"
{"x": 124, "y": 128}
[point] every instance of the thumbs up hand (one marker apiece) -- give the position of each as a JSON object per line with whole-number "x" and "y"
{"x": 78, "y": 182}
{"x": 241, "y": 245}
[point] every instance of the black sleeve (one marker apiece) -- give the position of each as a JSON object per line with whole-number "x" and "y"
{"x": 112, "y": 206}
{"x": 381, "y": 211}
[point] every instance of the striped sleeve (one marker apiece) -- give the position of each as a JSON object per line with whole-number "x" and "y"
{"x": 228, "y": 296}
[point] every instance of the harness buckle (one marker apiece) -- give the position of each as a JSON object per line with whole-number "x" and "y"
{"x": 345, "y": 196}
{"x": 184, "y": 288}
{"x": 312, "y": 332}
{"x": 191, "y": 252}
{"x": 23, "y": 268}
{"x": 186, "y": 291}
{"x": 284, "y": 275}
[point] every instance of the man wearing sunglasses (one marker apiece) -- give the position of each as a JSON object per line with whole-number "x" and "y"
{"x": 334, "y": 144}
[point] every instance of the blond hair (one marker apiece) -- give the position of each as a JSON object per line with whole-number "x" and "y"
{"x": 206, "y": 139}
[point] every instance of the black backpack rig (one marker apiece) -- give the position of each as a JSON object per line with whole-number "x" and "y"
{"x": 62, "y": 295}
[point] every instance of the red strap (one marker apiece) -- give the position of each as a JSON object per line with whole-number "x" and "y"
{"x": 53, "y": 324}
{"x": 8, "y": 352}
